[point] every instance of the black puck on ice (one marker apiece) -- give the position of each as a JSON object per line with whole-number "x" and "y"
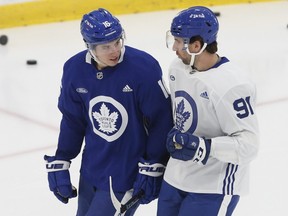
{"x": 31, "y": 62}
{"x": 3, "y": 39}
{"x": 217, "y": 14}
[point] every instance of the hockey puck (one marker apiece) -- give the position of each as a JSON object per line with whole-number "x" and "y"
{"x": 217, "y": 14}
{"x": 31, "y": 62}
{"x": 3, "y": 39}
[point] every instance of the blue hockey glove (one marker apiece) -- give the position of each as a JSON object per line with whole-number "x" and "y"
{"x": 59, "y": 178}
{"x": 149, "y": 179}
{"x": 186, "y": 146}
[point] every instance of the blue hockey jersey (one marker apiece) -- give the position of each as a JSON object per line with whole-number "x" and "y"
{"x": 122, "y": 113}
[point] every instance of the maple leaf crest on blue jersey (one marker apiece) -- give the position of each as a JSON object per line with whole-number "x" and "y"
{"x": 108, "y": 117}
{"x": 106, "y": 120}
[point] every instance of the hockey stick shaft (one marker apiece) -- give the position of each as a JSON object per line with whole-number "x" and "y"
{"x": 131, "y": 202}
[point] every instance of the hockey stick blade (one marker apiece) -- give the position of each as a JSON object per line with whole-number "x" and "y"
{"x": 131, "y": 202}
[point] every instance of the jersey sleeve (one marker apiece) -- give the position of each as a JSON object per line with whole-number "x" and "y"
{"x": 155, "y": 104}
{"x": 72, "y": 127}
{"x": 237, "y": 118}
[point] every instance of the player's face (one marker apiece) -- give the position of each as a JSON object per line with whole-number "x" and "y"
{"x": 180, "y": 48}
{"x": 179, "y": 45}
{"x": 109, "y": 53}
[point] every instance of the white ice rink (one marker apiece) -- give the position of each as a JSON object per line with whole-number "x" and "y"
{"x": 253, "y": 35}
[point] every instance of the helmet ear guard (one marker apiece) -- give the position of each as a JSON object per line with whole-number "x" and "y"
{"x": 86, "y": 44}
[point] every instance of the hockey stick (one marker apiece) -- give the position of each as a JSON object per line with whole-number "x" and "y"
{"x": 122, "y": 208}
{"x": 131, "y": 202}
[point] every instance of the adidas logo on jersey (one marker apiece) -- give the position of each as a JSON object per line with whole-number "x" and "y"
{"x": 127, "y": 89}
{"x": 204, "y": 95}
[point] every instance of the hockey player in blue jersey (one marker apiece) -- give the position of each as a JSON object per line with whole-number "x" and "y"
{"x": 114, "y": 100}
{"x": 215, "y": 136}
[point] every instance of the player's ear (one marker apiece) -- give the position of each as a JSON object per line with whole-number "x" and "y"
{"x": 196, "y": 46}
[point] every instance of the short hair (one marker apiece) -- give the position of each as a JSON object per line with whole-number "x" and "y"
{"x": 210, "y": 48}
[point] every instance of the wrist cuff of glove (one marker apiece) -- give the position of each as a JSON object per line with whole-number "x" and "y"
{"x": 53, "y": 165}
{"x": 151, "y": 169}
{"x": 203, "y": 151}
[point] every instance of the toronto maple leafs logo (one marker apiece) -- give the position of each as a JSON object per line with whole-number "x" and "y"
{"x": 108, "y": 117}
{"x": 106, "y": 121}
{"x": 186, "y": 112}
{"x": 181, "y": 115}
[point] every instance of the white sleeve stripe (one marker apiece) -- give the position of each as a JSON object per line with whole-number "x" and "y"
{"x": 164, "y": 90}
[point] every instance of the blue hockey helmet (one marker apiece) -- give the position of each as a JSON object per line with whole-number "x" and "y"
{"x": 100, "y": 26}
{"x": 195, "y": 21}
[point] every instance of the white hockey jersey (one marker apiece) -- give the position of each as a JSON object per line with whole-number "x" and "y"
{"x": 218, "y": 104}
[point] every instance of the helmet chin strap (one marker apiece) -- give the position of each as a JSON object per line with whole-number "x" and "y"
{"x": 194, "y": 54}
{"x": 100, "y": 62}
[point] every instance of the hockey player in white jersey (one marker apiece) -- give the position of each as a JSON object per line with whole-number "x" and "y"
{"x": 215, "y": 136}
